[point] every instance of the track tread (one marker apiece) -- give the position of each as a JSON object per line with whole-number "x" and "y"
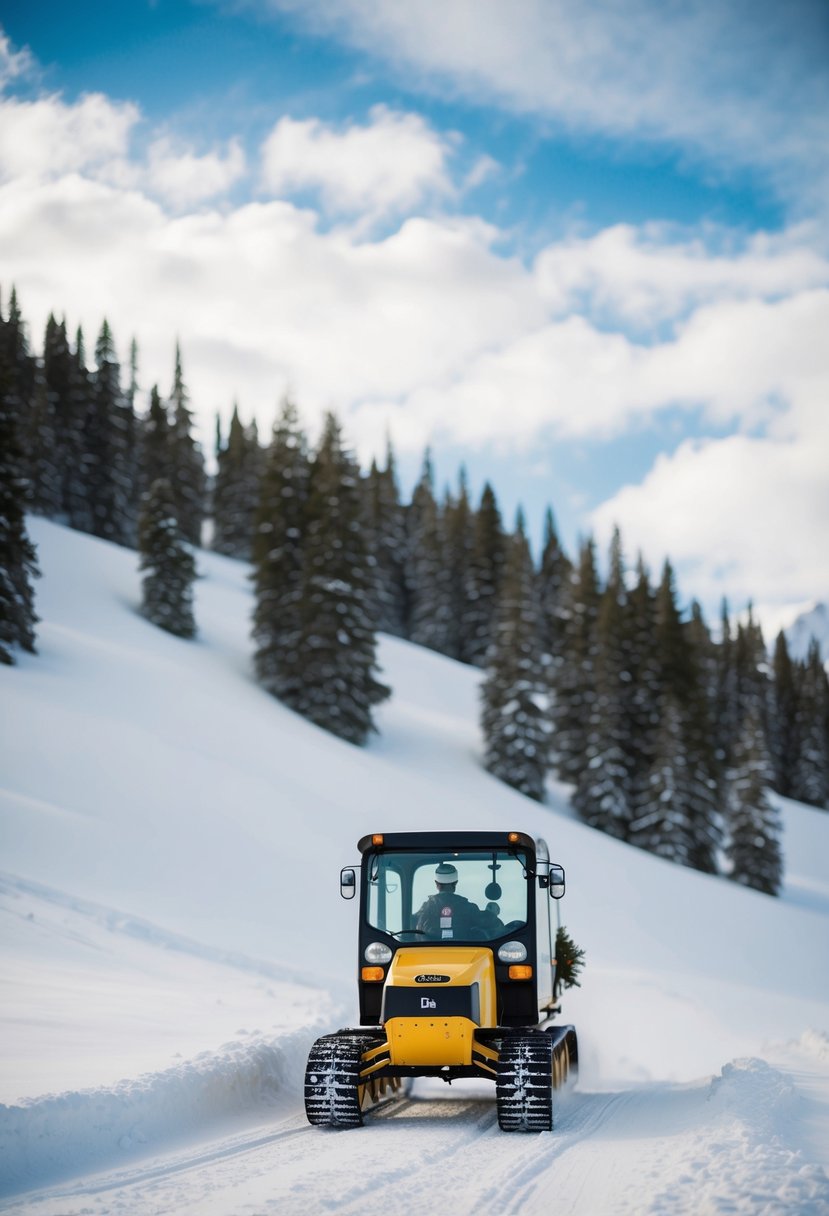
{"x": 332, "y": 1078}
{"x": 524, "y": 1083}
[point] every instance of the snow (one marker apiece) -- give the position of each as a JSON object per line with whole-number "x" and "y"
{"x": 172, "y": 940}
{"x": 810, "y": 625}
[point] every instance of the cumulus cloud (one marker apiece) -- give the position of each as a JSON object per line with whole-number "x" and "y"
{"x": 736, "y": 84}
{"x": 13, "y": 64}
{"x": 432, "y": 330}
{"x": 48, "y": 138}
{"x": 642, "y": 277}
{"x": 183, "y": 178}
{"x": 388, "y": 165}
{"x": 740, "y": 513}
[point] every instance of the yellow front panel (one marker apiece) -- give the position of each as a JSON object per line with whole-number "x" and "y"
{"x": 464, "y": 965}
{"x": 434, "y": 1041}
{"x": 417, "y": 1042}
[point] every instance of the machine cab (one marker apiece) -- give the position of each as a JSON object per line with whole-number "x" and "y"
{"x": 426, "y": 891}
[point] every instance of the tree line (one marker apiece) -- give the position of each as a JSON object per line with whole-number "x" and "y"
{"x": 670, "y": 736}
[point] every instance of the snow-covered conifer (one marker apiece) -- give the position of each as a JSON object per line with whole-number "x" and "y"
{"x": 429, "y": 576}
{"x": 810, "y": 777}
{"x": 187, "y": 473}
{"x": 278, "y": 558}
{"x": 168, "y": 563}
{"x": 515, "y": 712}
{"x": 18, "y": 564}
{"x": 753, "y": 824}
{"x": 604, "y": 790}
{"x": 387, "y": 543}
{"x": 486, "y": 572}
{"x": 236, "y": 491}
{"x": 339, "y": 688}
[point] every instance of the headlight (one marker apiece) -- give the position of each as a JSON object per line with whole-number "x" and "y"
{"x": 511, "y": 952}
{"x": 379, "y": 952}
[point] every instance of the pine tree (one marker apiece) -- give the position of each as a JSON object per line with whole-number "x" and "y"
{"x": 486, "y": 572}
{"x": 646, "y": 685}
{"x": 154, "y": 455}
{"x": 604, "y": 791}
{"x": 18, "y": 564}
{"x": 109, "y": 447}
{"x": 753, "y": 844}
{"x": 515, "y": 710}
{"x": 675, "y": 804}
{"x": 278, "y": 556}
{"x": 458, "y": 533}
{"x": 79, "y": 481}
{"x": 783, "y": 736}
{"x": 574, "y": 679}
{"x": 663, "y": 824}
{"x": 429, "y": 577}
{"x": 187, "y": 472}
{"x": 236, "y": 490}
{"x": 554, "y": 579}
{"x": 167, "y": 559}
{"x": 339, "y": 687}
{"x": 44, "y": 471}
{"x": 810, "y": 778}
{"x": 387, "y": 543}
{"x": 69, "y": 406}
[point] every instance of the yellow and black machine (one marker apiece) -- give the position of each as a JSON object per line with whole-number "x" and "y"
{"x": 457, "y": 977}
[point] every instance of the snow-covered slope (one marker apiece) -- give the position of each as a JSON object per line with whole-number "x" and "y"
{"x": 173, "y": 938}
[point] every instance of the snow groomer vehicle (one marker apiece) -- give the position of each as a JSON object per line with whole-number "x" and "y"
{"x": 456, "y": 975}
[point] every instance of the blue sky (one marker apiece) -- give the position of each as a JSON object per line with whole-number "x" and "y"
{"x": 580, "y": 248}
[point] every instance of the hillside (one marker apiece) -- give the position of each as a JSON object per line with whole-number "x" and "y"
{"x": 173, "y": 937}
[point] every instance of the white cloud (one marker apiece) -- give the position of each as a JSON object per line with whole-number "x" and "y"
{"x": 183, "y": 178}
{"x": 13, "y": 64}
{"x": 646, "y": 276}
{"x": 737, "y": 86}
{"x": 434, "y": 331}
{"x": 740, "y": 514}
{"x": 389, "y": 165}
{"x": 47, "y": 138}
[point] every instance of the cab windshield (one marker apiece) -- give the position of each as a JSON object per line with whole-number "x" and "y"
{"x": 469, "y": 896}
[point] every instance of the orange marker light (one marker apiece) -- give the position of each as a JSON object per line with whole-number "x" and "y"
{"x": 518, "y": 971}
{"x": 377, "y": 838}
{"x": 513, "y": 837}
{"x": 372, "y": 975}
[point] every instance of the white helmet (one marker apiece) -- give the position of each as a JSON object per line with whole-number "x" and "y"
{"x": 446, "y": 874}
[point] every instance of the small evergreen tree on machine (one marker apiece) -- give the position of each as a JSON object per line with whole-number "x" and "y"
{"x": 569, "y": 962}
{"x": 17, "y": 554}
{"x": 167, "y": 587}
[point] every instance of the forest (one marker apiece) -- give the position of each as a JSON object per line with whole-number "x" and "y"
{"x": 671, "y": 733}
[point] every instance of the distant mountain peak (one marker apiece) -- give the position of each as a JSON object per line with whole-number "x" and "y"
{"x": 813, "y": 623}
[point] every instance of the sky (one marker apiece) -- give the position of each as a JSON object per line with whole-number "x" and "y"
{"x": 581, "y": 250}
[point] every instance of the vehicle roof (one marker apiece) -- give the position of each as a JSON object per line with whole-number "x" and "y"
{"x": 446, "y": 841}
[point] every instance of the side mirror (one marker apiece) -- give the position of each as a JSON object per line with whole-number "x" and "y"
{"x": 556, "y": 881}
{"x": 348, "y": 883}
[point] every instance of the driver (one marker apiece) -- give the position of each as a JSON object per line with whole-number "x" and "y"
{"x": 447, "y": 915}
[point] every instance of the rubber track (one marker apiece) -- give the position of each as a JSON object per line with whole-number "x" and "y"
{"x": 524, "y": 1084}
{"x": 331, "y": 1079}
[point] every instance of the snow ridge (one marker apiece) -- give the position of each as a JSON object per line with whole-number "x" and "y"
{"x": 60, "y": 1135}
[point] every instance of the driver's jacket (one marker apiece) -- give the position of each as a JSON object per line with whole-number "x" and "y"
{"x": 453, "y": 916}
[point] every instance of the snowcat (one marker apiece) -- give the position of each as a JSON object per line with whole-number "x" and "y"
{"x": 456, "y": 975}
